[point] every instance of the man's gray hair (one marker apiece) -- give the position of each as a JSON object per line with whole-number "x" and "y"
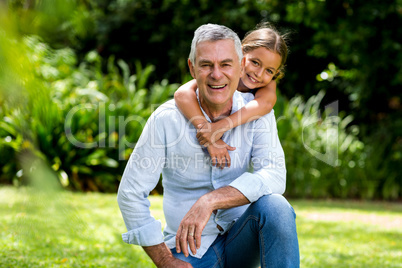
{"x": 214, "y": 32}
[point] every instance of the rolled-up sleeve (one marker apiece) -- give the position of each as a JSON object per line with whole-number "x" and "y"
{"x": 145, "y": 235}
{"x": 140, "y": 177}
{"x": 268, "y": 162}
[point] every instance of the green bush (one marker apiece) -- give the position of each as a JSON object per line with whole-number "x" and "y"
{"x": 324, "y": 157}
{"x": 82, "y": 112}
{"x": 82, "y": 121}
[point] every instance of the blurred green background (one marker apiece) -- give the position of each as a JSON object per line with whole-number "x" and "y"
{"x": 79, "y": 78}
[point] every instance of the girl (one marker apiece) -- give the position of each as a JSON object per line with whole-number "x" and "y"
{"x": 265, "y": 52}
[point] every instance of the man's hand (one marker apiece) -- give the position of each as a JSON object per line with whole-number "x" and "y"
{"x": 191, "y": 227}
{"x": 209, "y": 133}
{"x": 174, "y": 263}
{"x": 219, "y": 154}
{"x": 163, "y": 257}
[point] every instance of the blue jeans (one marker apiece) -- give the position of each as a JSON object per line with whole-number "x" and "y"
{"x": 265, "y": 235}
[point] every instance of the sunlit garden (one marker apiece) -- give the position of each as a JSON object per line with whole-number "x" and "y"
{"x": 80, "y": 78}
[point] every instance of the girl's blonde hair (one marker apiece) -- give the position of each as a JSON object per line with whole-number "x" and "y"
{"x": 265, "y": 35}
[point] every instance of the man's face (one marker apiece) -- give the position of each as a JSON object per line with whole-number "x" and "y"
{"x": 217, "y": 71}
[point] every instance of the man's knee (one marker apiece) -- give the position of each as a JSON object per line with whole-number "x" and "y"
{"x": 276, "y": 210}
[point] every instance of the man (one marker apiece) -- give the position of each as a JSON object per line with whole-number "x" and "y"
{"x": 232, "y": 217}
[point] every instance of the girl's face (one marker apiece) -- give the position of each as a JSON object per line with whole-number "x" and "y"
{"x": 260, "y": 67}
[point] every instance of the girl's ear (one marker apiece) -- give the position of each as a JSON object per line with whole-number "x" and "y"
{"x": 242, "y": 66}
{"x": 276, "y": 75}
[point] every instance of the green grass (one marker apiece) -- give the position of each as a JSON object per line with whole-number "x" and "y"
{"x": 349, "y": 233}
{"x": 64, "y": 229}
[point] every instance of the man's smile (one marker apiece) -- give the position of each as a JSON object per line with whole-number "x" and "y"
{"x": 217, "y": 87}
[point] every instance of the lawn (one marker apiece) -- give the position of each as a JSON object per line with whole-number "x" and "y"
{"x": 64, "y": 229}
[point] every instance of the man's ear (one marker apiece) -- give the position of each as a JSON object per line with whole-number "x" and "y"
{"x": 191, "y": 67}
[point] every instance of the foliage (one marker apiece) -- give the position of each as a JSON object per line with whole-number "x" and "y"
{"x": 324, "y": 157}
{"x": 353, "y": 44}
{"x": 68, "y": 79}
{"x": 354, "y": 52}
{"x": 84, "y": 230}
{"x": 350, "y": 49}
{"x": 82, "y": 122}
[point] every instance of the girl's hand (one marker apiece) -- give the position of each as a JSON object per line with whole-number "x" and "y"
{"x": 219, "y": 153}
{"x": 209, "y": 133}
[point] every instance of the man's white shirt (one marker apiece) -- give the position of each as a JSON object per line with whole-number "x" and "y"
{"x": 168, "y": 146}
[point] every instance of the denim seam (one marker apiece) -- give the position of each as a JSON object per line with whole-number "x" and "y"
{"x": 251, "y": 217}
{"x": 219, "y": 257}
{"x": 262, "y": 250}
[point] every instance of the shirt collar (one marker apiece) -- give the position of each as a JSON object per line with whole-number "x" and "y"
{"x": 237, "y": 104}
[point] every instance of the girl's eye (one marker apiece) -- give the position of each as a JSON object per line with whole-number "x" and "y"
{"x": 256, "y": 63}
{"x": 270, "y": 71}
